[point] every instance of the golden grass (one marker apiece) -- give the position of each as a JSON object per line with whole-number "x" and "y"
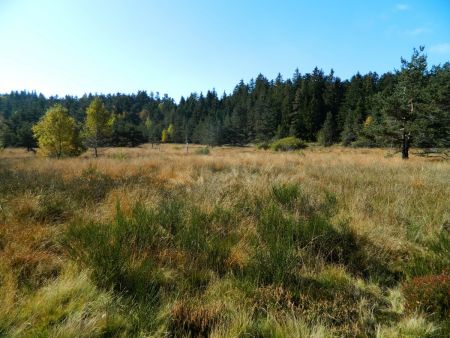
{"x": 374, "y": 191}
{"x": 393, "y": 202}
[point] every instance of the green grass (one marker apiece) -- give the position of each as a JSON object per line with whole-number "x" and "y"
{"x": 291, "y": 234}
{"x": 202, "y": 151}
{"x": 288, "y": 144}
{"x": 231, "y": 248}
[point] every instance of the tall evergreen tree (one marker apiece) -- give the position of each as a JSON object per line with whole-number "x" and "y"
{"x": 326, "y": 134}
{"x": 408, "y": 107}
{"x": 405, "y": 110}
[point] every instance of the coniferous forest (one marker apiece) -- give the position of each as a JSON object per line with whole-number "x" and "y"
{"x": 408, "y": 107}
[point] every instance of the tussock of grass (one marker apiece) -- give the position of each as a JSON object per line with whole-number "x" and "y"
{"x": 70, "y": 306}
{"x": 411, "y": 327}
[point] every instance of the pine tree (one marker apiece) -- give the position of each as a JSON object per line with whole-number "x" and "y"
{"x": 433, "y": 129}
{"x": 405, "y": 110}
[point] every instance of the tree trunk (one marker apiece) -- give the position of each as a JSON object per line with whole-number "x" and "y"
{"x": 405, "y": 138}
{"x": 405, "y": 146}
{"x": 96, "y": 142}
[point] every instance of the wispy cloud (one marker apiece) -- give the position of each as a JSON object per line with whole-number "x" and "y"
{"x": 402, "y": 7}
{"x": 440, "y": 48}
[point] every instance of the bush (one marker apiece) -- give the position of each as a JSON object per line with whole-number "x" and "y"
{"x": 263, "y": 145}
{"x": 430, "y": 294}
{"x": 363, "y": 142}
{"x": 288, "y": 144}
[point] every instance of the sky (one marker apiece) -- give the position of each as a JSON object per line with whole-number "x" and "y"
{"x": 178, "y": 47}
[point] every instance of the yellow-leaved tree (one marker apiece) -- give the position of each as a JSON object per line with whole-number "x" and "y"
{"x": 56, "y": 133}
{"x": 368, "y": 122}
{"x": 164, "y": 136}
{"x": 98, "y": 125}
{"x": 170, "y": 130}
{"x": 167, "y": 133}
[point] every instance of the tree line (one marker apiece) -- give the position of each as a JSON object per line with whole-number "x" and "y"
{"x": 409, "y": 107}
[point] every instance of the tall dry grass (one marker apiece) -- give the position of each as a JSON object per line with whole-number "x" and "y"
{"x": 234, "y": 242}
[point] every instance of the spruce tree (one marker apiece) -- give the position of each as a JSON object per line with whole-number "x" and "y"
{"x": 326, "y": 134}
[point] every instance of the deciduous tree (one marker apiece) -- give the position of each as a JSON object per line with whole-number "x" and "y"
{"x": 56, "y": 133}
{"x": 98, "y": 125}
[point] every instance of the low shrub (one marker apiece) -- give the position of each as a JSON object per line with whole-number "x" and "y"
{"x": 364, "y": 143}
{"x": 430, "y": 294}
{"x": 288, "y": 144}
{"x": 263, "y": 145}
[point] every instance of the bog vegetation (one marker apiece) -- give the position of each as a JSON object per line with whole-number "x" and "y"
{"x": 403, "y": 109}
{"x": 293, "y": 237}
{"x": 228, "y": 242}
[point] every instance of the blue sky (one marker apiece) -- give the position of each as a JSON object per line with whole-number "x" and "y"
{"x": 178, "y": 47}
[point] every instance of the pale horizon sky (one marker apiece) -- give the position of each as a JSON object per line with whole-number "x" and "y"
{"x": 179, "y": 47}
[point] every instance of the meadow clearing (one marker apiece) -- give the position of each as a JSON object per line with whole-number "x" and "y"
{"x": 229, "y": 242}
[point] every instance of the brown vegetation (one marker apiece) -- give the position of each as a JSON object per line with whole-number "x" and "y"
{"x": 237, "y": 242}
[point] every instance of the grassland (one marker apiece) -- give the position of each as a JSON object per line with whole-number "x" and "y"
{"x": 234, "y": 242}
